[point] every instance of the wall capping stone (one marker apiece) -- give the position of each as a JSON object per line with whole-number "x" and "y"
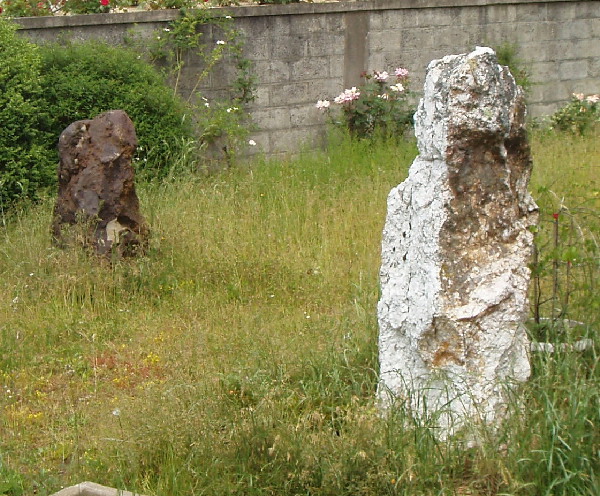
{"x": 265, "y": 10}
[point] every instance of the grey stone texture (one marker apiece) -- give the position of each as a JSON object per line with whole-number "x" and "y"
{"x": 308, "y": 51}
{"x": 456, "y": 244}
{"x": 93, "y": 489}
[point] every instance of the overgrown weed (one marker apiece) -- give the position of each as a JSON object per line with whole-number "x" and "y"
{"x": 239, "y": 355}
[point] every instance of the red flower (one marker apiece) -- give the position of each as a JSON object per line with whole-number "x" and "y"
{"x": 555, "y": 215}
{"x": 104, "y": 2}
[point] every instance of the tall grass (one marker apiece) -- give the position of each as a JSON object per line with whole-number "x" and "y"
{"x": 238, "y": 356}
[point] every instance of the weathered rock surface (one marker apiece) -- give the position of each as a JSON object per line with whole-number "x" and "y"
{"x": 97, "y": 203}
{"x": 456, "y": 245}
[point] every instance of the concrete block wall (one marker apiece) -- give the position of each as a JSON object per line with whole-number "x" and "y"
{"x": 306, "y": 52}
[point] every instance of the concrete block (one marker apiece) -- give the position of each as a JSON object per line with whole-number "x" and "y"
{"x": 576, "y": 49}
{"x": 532, "y": 12}
{"x": 293, "y": 140}
{"x": 536, "y": 110}
{"x": 437, "y": 17}
{"x": 594, "y": 68}
{"x": 528, "y": 32}
{"x": 261, "y": 96}
{"x": 335, "y": 22}
{"x": 399, "y": 19}
{"x": 273, "y": 71}
{"x": 573, "y": 69}
{"x": 326, "y": 43}
{"x": 272, "y": 118}
{"x": 281, "y": 26}
{"x": 262, "y": 141}
{"x": 558, "y": 12}
{"x": 336, "y": 67}
{"x": 595, "y": 28}
{"x": 587, "y": 10}
{"x": 574, "y": 30}
{"x": 290, "y": 48}
{"x": 258, "y": 49}
{"x": 470, "y": 16}
{"x": 384, "y": 40}
{"x": 288, "y": 94}
{"x": 543, "y": 71}
{"x": 416, "y": 38}
{"x": 223, "y": 77}
{"x": 538, "y": 51}
{"x": 536, "y": 94}
{"x": 308, "y": 24}
{"x": 376, "y": 21}
{"x": 501, "y": 13}
{"x": 310, "y": 68}
{"x": 306, "y": 115}
{"x": 326, "y": 89}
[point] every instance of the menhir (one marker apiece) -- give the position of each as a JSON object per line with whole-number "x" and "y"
{"x": 97, "y": 204}
{"x": 455, "y": 252}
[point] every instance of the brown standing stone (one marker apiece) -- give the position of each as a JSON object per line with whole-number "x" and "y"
{"x": 97, "y": 204}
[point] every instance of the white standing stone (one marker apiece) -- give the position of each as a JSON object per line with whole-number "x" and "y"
{"x": 456, "y": 245}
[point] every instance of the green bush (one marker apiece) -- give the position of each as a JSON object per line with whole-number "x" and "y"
{"x": 378, "y": 108}
{"x": 82, "y": 80}
{"x": 579, "y": 116}
{"x": 24, "y": 164}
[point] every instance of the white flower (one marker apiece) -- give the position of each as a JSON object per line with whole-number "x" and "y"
{"x": 228, "y": 17}
{"x": 220, "y": 42}
{"x": 116, "y": 412}
{"x": 381, "y": 76}
{"x": 348, "y": 95}
{"x": 323, "y": 104}
{"x": 252, "y": 142}
{"x": 397, "y": 87}
{"x": 166, "y": 30}
{"x": 593, "y": 98}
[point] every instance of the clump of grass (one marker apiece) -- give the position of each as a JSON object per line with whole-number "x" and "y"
{"x": 239, "y": 355}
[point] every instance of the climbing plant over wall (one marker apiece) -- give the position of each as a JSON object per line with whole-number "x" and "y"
{"x": 206, "y": 40}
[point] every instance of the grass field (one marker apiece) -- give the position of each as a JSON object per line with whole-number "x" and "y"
{"x": 239, "y": 355}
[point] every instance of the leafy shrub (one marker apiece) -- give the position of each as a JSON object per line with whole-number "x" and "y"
{"x": 82, "y": 80}
{"x": 24, "y": 164}
{"x": 25, "y": 8}
{"x": 376, "y": 108}
{"x": 87, "y": 6}
{"x": 579, "y": 115}
{"x": 221, "y": 125}
{"x": 507, "y": 54}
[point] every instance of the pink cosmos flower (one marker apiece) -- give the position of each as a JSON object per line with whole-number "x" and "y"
{"x": 401, "y": 73}
{"x": 579, "y": 96}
